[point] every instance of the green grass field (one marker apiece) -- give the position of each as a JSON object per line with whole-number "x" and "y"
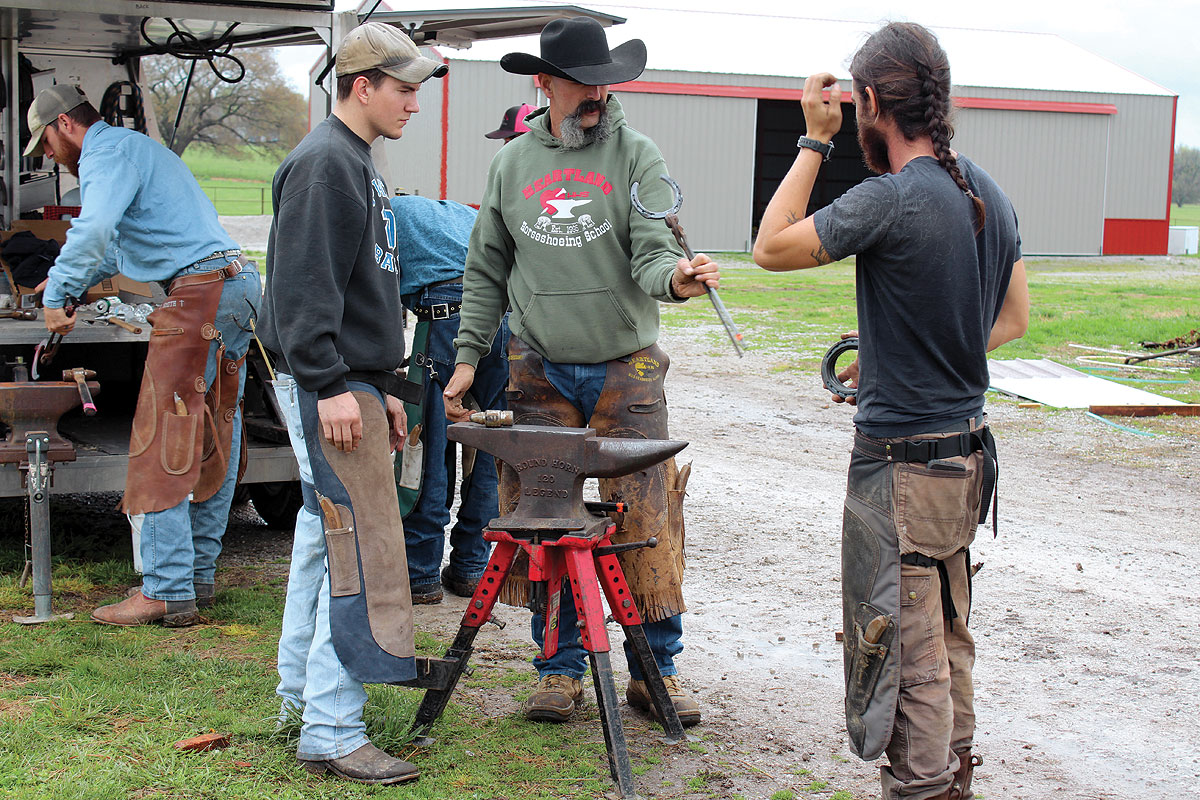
{"x": 1187, "y": 215}
{"x": 1100, "y": 303}
{"x": 237, "y": 185}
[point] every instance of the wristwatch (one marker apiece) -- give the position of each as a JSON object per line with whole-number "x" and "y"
{"x": 824, "y": 148}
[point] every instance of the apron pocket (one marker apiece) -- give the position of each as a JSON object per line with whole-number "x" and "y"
{"x": 937, "y": 509}
{"x": 343, "y": 562}
{"x": 178, "y": 442}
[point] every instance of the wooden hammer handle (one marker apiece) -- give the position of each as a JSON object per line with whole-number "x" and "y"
{"x": 120, "y": 323}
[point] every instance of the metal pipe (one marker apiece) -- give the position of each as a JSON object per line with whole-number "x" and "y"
{"x": 37, "y": 488}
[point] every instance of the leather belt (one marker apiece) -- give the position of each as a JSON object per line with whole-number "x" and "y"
{"x": 230, "y": 270}
{"x": 436, "y": 311}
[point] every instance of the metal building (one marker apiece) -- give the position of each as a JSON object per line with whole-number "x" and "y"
{"x": 1081, "y": 145}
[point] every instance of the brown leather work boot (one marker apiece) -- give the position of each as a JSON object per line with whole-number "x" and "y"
{"x": 638, "y": 696}
{"x": 141, "y": 610}
{"x": 961, "y": 788}
{"x": 556, "y": 697}
{"x": 367, "y": 764}
{"x": 206, "y": 593}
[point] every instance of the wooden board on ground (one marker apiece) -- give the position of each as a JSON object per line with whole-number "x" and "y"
{"x": 1186, "y": 410}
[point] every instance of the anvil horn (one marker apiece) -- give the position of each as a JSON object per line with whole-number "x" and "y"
{"x": 609, "y": 457}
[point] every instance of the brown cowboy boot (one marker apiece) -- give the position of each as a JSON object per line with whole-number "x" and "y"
{"x": 367, "y": 764}
{"x": 960, "y": 789}
{"x": 141, "y": 610}
{"x": 206, "y": 593}
{"x": 638, "y": 696}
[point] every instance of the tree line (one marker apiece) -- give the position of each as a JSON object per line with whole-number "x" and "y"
{"x": 1185, "y": 178}
{"x": 260, "y": 111}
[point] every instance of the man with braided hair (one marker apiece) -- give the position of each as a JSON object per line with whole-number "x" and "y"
{"x": 940, "y": 282}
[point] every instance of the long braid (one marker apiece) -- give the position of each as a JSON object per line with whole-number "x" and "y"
{"x": 910, "y": 75}
{"x": 937, "y": 107}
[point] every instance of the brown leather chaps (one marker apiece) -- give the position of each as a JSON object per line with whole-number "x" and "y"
{"x": 183, "y": 428}
{"x": 631, "y": 405}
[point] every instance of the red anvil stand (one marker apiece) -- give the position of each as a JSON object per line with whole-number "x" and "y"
{"x": 591, "y": 564}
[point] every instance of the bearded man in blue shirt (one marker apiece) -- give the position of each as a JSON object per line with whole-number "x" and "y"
{"x": 145, "y": 216}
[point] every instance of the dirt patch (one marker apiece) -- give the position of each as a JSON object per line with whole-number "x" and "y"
{"x": 1088, "y": 670}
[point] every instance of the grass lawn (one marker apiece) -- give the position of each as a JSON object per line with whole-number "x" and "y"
{"x": 1189, "y": 214}
{"x": 1095, "y": 302}
{"x": 93, "y": 712}
{"x": 247, "y": 192}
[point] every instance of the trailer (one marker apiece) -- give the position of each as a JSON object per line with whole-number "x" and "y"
{"x": 48, "y": 444}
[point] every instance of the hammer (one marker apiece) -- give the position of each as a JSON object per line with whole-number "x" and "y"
{"x": 26, "y": 313}
{"x": 81, "y": 376}
{"x": 120, "y": 323}
{"x": 672, "y": 220}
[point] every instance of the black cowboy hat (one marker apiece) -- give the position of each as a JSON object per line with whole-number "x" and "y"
{"x": 577, "y": 49}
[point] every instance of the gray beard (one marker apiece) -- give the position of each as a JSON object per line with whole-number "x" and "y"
{"x": 575, "y": 137}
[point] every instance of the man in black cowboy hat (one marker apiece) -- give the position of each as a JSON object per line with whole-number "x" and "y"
{"x": 558, "y": 239}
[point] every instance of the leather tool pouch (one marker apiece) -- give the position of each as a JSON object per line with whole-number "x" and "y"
{"x": 220, "y": 408}
{"x": 165, "y": 446}
{"x": 866, "y": 659}
{"x": 937, "y": 504}
{"x": 343, "y": 558}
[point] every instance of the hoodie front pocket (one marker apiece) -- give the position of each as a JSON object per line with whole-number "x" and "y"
{"x": 575, "y": 325}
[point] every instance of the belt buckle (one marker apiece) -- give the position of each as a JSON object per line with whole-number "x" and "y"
{"x": 440, "y": 311}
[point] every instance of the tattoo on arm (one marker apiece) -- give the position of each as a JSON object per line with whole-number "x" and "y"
{"x": 821, "y": 255}
{"x": 792, "y": 219}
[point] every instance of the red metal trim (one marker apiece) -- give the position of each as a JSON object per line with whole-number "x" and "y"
{"x": 1135, "y": 237}
{"x": 1006, "y": 104}
{"x": 1171, "y": 169}
{"x": 707, "y": 90}
{"x": 445, "y": 130}
{"x": 779, "y": 93}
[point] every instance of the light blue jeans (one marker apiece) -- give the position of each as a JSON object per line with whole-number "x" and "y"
{"x": 180, "y": 545}
{"x": 312, "y": 678}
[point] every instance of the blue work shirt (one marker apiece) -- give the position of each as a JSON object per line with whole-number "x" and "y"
{"x": 431, "y": 239}
{"x": 143, "y": 215}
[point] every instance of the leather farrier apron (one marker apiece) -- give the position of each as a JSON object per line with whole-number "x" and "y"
{"x": 631, "y": 405}
{"x": 177, "y": 411}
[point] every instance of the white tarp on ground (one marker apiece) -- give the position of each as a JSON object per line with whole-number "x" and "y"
{"x": 1044, "y": 381}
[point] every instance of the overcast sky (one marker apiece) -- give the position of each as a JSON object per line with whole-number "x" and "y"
{"x": 1158, "y": 39}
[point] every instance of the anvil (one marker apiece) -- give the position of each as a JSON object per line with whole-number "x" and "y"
{"x": 552, "y": 464}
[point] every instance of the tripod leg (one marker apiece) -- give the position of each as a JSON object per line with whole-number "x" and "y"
{"x": 636, "y": 635}
{"x": 619, "y": 765}
{"x": 585, "y": 589}
{"x": 616, "y": 589}
{"x": 479, "y": 611}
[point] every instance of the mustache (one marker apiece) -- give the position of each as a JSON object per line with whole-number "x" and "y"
{"x": 588, "y": 107}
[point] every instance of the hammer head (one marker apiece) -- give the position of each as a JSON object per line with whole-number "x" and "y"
{"x": 553, "y": 463}
{"x": 78, "y": 374}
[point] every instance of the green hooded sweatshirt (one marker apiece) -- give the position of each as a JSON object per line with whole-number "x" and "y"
{"x": 558, "y": 240}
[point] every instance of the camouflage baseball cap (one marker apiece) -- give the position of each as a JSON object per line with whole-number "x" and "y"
{"x": 374, "y": 45}
{"x": 58, "y": 99}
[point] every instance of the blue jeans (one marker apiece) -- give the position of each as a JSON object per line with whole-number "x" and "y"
{"x": 180, "y": 545}
{"x": 312, "y": 679}
{"x": 425, "y": 525}
{"x": 581, "y": 384}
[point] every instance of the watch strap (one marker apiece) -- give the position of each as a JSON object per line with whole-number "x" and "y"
{"x": 824, "y": 148}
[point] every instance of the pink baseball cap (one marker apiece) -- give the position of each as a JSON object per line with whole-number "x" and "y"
{"x": 513, "y": 123}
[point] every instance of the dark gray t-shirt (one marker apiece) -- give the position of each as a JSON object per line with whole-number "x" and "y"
{"x": 928, "y": 291}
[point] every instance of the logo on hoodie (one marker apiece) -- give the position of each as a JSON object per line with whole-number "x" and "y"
{"x": 562, "y": 206}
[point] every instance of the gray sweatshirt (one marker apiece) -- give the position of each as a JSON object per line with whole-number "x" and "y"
{"x": 332, "y": 302}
